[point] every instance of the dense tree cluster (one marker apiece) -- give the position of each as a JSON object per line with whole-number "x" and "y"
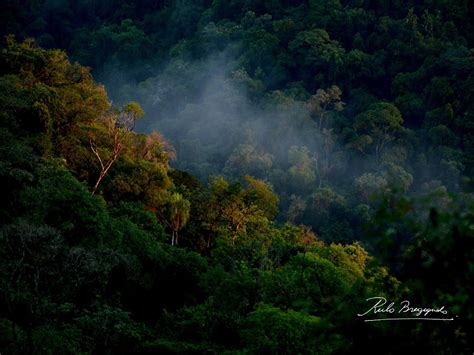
{"x": 321, "y": 153}
{"x": 364, "y": 96}
{"x": 88, "y": 267}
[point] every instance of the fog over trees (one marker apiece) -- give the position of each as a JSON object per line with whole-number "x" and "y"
{"x": 235, "y": 176}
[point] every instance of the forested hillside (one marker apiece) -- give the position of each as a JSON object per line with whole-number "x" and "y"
{"x": 235, "y": 176}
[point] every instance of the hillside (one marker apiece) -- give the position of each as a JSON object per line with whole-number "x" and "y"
{"x": 235, "y": 176}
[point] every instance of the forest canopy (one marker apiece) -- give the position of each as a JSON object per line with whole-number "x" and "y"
{"x": 235, "y": 176}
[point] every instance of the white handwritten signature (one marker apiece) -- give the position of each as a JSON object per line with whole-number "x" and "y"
{"x": 381, "y": 306}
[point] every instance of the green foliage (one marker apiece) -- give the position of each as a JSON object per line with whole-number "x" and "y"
{"x": 317, "y": 113}
{"x": 433, "y": 243}
{"x": 298, "y": 64}
{"x": 302, "y": 171}
{"x": 261, "y": 194}
{"x": 269, "y": 329}
{"x": 380, "y": 122}
{"x": 368, "y": 185}
{"x": 315, "y": 51}
{"x": 247, "y": 161}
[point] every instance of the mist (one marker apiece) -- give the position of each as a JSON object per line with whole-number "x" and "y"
{"x": 210, "y": 115}
{"x": 222, "y": 121}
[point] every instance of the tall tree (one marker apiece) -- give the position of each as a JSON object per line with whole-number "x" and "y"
{"x": 178, "y": 215}
{"x": 323, "y": 103}
{"x": 381, "y": 122}
{"x": 119, "y": 126}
